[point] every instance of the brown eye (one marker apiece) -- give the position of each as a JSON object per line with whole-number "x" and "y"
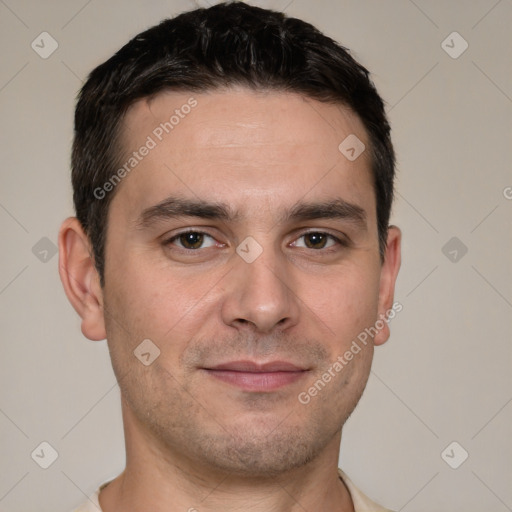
{"x": 320, "y": 241}
{"x": 315, "y": 240}
{"x": 191, "y": 240}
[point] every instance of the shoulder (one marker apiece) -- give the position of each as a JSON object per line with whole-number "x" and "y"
{"x": 361, "y": 502}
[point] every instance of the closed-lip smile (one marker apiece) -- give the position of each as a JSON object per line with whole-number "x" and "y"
{"x": 258, "y": 377}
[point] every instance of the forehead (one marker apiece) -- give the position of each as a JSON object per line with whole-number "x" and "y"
{"x": 264, "y": 145}
{"x": 226, "y": 116}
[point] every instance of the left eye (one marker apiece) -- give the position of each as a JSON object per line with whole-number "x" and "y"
{"x": 316, "y": 240}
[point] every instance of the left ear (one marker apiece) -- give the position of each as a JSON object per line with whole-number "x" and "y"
{"x": 388, "y": 274}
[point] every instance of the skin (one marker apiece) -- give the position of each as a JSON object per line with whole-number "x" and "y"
{"x": 192, "y": 440}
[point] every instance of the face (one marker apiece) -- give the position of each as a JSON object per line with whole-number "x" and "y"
{"x": 244, "y": 245}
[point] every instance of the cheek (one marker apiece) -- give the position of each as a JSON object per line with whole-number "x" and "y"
{"x": 346, "y": 302}
{"x": 165, "y": 305}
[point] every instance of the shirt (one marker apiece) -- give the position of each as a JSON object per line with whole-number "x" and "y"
{"x": 361, "y": 502}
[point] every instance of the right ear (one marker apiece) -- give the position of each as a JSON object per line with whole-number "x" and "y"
{"x": 81, "y": 279}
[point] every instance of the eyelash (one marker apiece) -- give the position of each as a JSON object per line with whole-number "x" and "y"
{"x": 340, "y": 242}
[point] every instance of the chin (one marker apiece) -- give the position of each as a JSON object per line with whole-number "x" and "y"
{"x": 264, "y": 455}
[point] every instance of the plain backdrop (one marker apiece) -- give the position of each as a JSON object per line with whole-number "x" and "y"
{"x": 445, "y": 374}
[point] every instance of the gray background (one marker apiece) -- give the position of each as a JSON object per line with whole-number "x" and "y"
{"x": 444, "y": 376}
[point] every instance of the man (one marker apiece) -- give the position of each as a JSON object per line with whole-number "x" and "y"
{"x": 233, "y": 180}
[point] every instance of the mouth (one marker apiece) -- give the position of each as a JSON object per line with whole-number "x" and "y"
{"x": 252, "y": 376}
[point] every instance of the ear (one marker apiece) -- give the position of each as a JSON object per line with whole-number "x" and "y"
{"x": 80, "y": 278}
{"x": 388, "y": 274}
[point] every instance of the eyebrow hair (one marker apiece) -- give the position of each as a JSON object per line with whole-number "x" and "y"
{"x": 173, "y": 207}
{"x": 332, "y": 209}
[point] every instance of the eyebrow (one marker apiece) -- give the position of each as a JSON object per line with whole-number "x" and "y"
{"x": 174, "y": 207}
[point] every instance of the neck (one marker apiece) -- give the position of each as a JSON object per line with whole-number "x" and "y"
{"x": 159, "y": 479}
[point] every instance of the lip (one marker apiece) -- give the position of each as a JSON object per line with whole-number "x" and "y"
{"x": 253, "y": 367}
{"x": 257, "y": 377}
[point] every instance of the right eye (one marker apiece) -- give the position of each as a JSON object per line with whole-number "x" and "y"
{"x": 190, "y": 240}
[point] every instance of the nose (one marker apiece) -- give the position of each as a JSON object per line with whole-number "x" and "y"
{"x": 260, "y": 295}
